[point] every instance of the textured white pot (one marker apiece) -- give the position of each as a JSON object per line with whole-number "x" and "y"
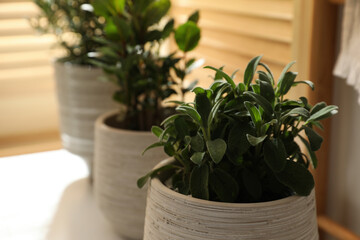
{"x": 171, "y": 215}
{"x": 117, "y": 166}
{"x": 82, "y": 97}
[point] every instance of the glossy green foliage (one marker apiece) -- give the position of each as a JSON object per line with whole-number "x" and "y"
{"x": 130, "y": 51}
{"x": 73, "y": 23}
{"x": 241, "y": 141}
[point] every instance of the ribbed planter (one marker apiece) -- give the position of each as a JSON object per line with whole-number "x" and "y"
{"x": 118, "y": 165}
{"x": 82, "y": 98}
{"x": 171, "y": 215}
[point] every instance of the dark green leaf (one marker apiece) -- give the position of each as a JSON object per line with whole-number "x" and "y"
{"x": 254, "y": 113}
{"x": 199, "y": 182}
{"x": 312, "y": 154}
{"x": 267, "y": 91}
{"x": 275, "y": 154}
{"x": 307, "y": 82}
{"x": 217, "y": 149}
{"x": 142, "y": 181}
{"x": 314, "y": 138}
{"x": 252, "y": 184}
{"x": 203, "y": 106}
{"x": 223, "y": 185}
{"x": 154, "y": 145}
{"x": 317, "y": 107}
{"x": 299, "y": 111}
{"x": 191, "y": 112}
{"x": 214, "y": 111}
{"x": 265, "y": 104}
{"x": 169, "y": 27}
{"x": 250, "y": 70}
{"x": 237, "y": 140}
{"x": 194, "y": 17}
{"x": 181, "y": 127}
{"x": 284, "y": 86}
{"x": 297, "y": 178}
{"x": 156, "y": 11}
{"x": 284, "y": 71}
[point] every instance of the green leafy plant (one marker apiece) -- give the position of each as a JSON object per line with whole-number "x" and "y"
{"x": 240, "y": 142}
{"x": 73, "y": 23}
{"x": 130, "y": 51}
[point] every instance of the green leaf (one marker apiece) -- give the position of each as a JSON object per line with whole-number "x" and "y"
{"x": 252, "y": 184}
{"x": 313, "y": 158}
{"x": 223, "y": 75}
{"x": 169, "y": 149}
{"x": 169, "y": 27}
{"x": 307, "y": 82}
{"x": 142, "y": 181}
{"x": 156, "y": 130}
{"x": 217, "y": 149}
{"x": 265, "y": 104}
{"x": 156, "y": 11}
{"x": 214, "y": 111}
{"x": 250, "y": 70}
{"x": 271, "y": 76}
{"x": 299, "y": 111}
{"x": 199, "y": 182}
{"x": 326, "y": 112}
{"x": 284, "y": 71}
{"x": 255, "y": 140}
{"x": 196, "y": 64}
{"x": 254, "y": 113}
{"x": 237, "y": 140}
{"x": 197, "y": 143}
{"x": 317, "y": 107}
{"x": 297, "y": 178}
{"x": 223, "y": 185}
{"x": 181, "y": 127}
{"x": 119, "y": 5}
{"x": 203, "y": 106}
{"x": 191, "y": 112}
{"x": 314, "y": 138}
{"x": 170, "y": 119}
{"x": 267, "y": 91}
{"x": 187, "y": 36}
{"x": 197, "y": 157}
{"x": 284, "y": 86}
{"x": 154, "y": 145}
{"x": 194, "y": 17}
{"x": 275, "y": 154}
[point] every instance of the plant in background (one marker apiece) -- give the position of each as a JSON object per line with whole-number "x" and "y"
{"x": 73, "y": 23}
{"x": 131, "y": 52}
{"x": 239, "y": 143}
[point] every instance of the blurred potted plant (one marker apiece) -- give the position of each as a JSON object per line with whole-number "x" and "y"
{"x": 131, "y": 55}
{"x": 81, "y": 96}
{"x": 237, "y": 171}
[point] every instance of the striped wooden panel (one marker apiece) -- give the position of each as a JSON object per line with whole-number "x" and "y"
{"x": 27, "y": 99}
{"x": 234, "y": 31}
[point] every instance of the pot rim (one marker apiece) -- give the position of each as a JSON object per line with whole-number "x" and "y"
{"x": 100, "y": 123}
{"x": 161, "y": 186}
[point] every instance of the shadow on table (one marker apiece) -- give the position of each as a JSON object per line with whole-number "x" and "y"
{"x": 77, "y": 216}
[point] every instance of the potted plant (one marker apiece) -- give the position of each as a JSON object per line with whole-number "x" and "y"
{"x": 81, "y": 96}
{"x": 131, "y": 54}
{"x": 237, "y": 170}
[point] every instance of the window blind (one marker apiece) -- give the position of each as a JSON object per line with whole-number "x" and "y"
{"x": 28, "y": 113}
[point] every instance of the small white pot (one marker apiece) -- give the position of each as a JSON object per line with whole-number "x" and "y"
{"x": 82, "y": 97}
{"x": 118, "y": 164}
{"x": 171, "y": 215}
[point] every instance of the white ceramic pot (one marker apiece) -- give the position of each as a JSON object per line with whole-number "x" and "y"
{"x": 171, "y": 215}
{"x": 118, "y": 164}
{"x": 82, "y": 97}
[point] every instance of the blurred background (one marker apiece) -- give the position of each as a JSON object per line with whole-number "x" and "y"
{"x": 233, "y": 31}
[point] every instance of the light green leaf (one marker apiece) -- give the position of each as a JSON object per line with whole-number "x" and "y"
{"x": 255, "y": 140}
{"x": 217, "y": 149}
{"x": 223, "y": 75}
{"x": 156, "y": 130}
{"x": 197, "y": 157}
{"x": 191, "y": 112}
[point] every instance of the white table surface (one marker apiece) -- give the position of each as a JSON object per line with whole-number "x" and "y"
{"x": 47, "y": 196}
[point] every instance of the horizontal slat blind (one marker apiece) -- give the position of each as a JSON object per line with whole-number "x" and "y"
{"x": 27, "y": 99}
{"x": 234, "y": 31}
